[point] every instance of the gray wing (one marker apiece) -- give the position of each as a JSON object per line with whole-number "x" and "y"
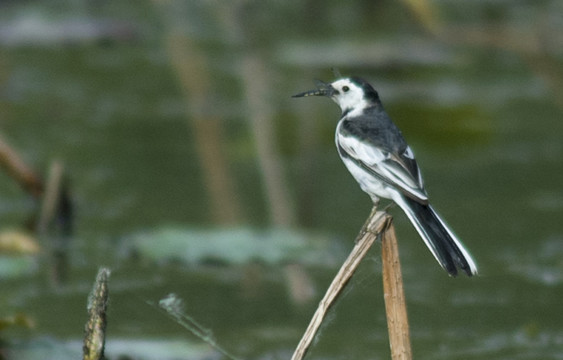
{"x": 382, "y": 151}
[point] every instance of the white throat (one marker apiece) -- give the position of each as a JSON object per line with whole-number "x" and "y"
{"x": 353, "y": 106}
{"x": 349, "y": 96}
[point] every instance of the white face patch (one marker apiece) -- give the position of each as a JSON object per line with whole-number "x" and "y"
{"x": 350, "y": 96}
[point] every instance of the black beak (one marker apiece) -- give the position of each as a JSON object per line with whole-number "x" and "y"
{"x": 323, "y": 89}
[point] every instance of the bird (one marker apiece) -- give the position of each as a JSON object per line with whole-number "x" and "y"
{"x": 376, "y": 154}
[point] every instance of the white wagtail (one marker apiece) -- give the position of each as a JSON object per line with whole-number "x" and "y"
{"x": 375, "y": 152}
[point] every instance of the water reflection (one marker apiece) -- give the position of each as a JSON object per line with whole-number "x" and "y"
{"x": 474, "y": 86}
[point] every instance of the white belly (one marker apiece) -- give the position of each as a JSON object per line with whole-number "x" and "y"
{"x": 370, "y": 184}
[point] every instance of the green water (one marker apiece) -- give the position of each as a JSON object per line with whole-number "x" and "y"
{"x": 484, "y": 122}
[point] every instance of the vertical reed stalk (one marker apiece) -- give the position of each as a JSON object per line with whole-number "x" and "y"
{"x": 394, "y": 295}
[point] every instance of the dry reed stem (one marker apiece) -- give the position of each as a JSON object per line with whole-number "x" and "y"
{"x": 191, "y": 66}
{"x": 95, "y": 329}
{"x": 376, "y": 223}
{"x": 257, "y": 87}
{"x": 18, "y": 169}
{"x": 51, "y": 197}
{"x": 394, "y": 295}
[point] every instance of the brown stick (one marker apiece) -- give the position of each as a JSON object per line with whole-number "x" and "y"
{"x": 51, "y": 197}
{"x": 191, "y": 66}
{"x": 394, "y": 295}
{"x": 18, "y": 169}
{"x": 257, "y": 86}
{"x": 95, "y": 329}
{"x": 375, "y": 224}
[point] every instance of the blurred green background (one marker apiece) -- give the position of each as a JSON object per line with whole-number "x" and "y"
{"x": 191, "y": 170}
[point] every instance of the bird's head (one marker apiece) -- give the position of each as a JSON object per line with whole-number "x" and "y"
{"x": 349, "y": 93}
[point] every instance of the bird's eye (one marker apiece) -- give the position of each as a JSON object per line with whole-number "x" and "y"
{"x": 345, "y": 88}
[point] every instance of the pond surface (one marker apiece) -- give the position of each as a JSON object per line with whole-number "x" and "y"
{"x": 192, "y": 171}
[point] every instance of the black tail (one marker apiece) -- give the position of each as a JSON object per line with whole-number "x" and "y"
{"x": 441, "y": 241}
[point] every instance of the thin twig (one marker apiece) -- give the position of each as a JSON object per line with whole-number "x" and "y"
{"x": 18, "y": 169}
{"x": 51, "y": 197}
{"x": 173, "y": 306}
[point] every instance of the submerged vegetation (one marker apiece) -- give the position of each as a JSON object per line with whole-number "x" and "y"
{"x": 119, "y": 119}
